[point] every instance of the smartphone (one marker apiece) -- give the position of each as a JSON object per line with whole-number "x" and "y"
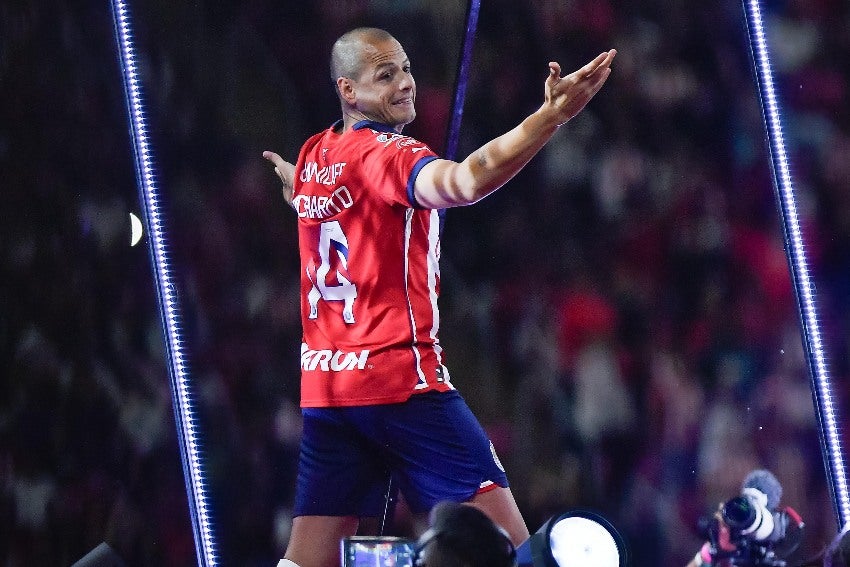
{"x": 365, "y": 551}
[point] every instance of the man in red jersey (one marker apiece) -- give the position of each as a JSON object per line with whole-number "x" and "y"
{"x": 375, "y": 396}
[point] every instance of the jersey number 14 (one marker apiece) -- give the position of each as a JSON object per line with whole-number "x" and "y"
{"x": 333, "y": 255}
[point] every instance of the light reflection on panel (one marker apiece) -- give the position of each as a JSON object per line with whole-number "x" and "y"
{"x": 796, "y": 250}
{"x": 183, "y": 398}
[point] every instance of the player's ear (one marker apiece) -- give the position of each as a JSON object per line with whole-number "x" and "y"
{"x": 346, "y": 89}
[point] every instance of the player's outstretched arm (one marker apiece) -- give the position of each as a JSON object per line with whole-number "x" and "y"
{"x": 444, "y": 183}
{"x": 285, "y": 171}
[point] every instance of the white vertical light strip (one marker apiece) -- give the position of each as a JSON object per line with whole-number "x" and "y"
{"x": 185, "y": 414}
{"x": 795, "y": 249}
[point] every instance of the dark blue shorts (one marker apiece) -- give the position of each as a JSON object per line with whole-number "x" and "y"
{"x": 432, "y": 445}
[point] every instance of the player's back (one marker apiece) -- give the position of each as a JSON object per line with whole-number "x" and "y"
{"x": 370, "y": 273}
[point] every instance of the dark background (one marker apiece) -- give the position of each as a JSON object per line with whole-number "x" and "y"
{"x": 619, "y": 316}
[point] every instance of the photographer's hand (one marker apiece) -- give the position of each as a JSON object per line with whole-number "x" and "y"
{"x": 707, "y": 554}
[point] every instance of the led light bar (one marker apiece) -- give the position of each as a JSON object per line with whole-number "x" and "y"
{"x": 453, "y": 136}
{"x": 825, "y": 402}
{"x": 181, "y": 386}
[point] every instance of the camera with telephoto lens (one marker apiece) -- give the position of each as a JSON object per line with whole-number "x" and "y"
{"x": 757, "y": 537}
{"x": 751, "y": 521}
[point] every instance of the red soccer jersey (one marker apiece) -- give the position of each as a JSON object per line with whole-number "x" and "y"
{"x": 369, "y": 269}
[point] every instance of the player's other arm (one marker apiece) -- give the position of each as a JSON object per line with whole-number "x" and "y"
{"x": 445, "y": 183}
{"x": 285, "y": 171}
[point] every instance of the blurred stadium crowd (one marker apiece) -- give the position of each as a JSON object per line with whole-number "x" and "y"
{"x": 619, "y": 316}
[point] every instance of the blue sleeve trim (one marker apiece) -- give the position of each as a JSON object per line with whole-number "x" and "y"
{"x": 411, "y": 181}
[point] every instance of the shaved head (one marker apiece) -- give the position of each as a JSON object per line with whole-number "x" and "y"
{"x": 372, "y": 77}
{"x": 347, "y": 52}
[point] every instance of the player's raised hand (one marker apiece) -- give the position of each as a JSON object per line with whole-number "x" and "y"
{"x": 566, "y": 96}
{"x": 285, "y": 171}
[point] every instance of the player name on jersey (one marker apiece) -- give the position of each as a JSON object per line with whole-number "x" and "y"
{"x": 321, "y": 206}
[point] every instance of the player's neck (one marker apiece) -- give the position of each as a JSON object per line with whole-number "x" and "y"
{"x": 350, "y": 118}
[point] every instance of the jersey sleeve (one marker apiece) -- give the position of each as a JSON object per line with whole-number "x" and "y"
{"x": 392, "y": 162}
